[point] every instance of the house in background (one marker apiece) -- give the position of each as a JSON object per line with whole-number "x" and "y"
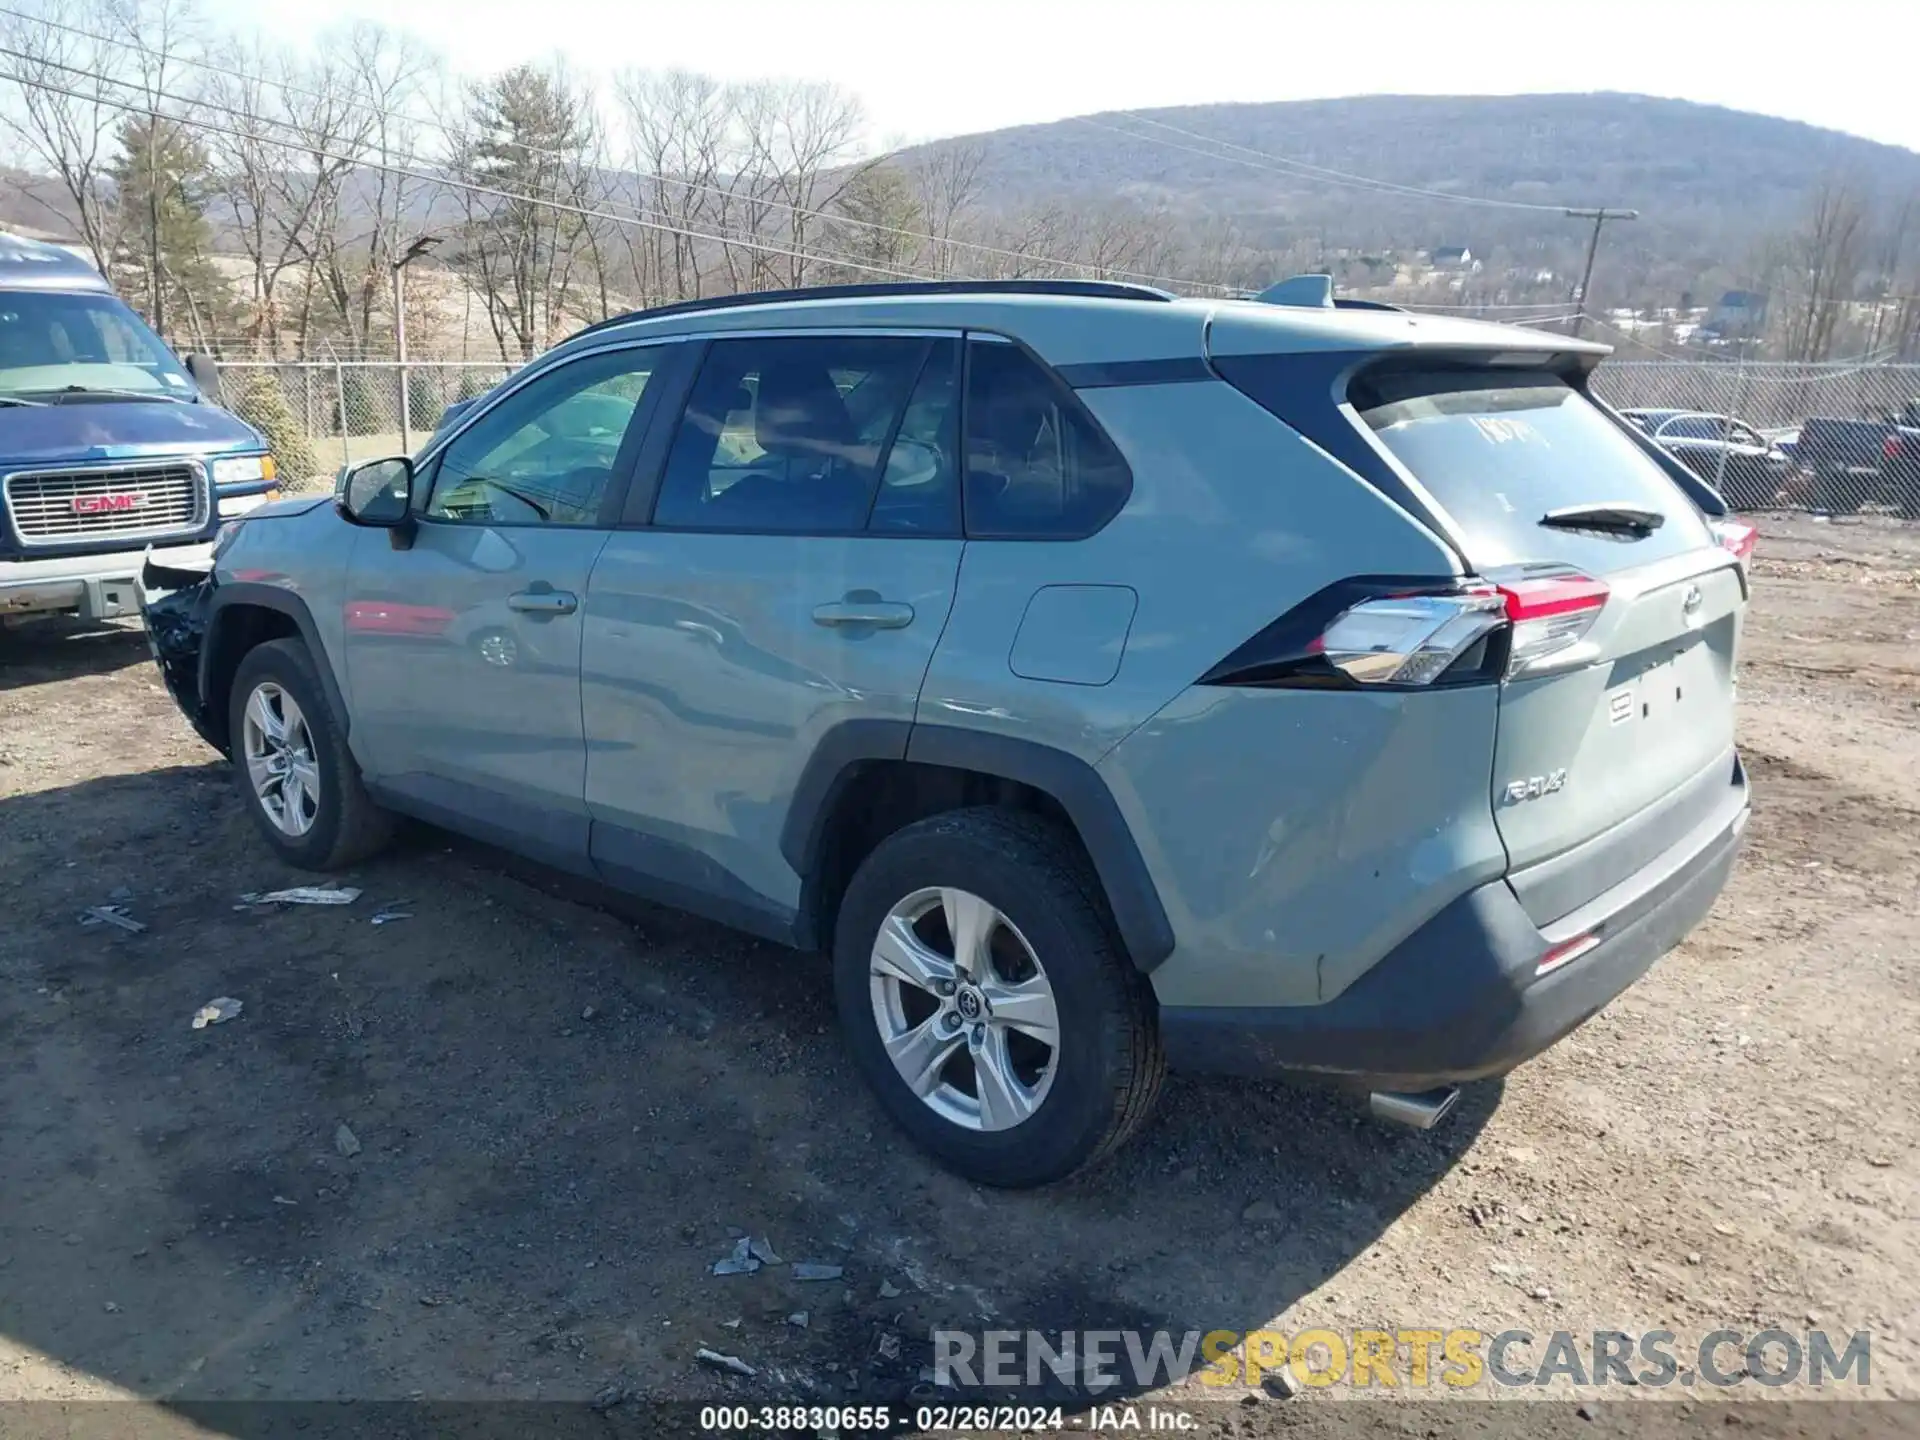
{"x": 1739, "y": 315}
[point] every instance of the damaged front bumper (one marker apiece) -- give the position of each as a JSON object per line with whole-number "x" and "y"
{"x": 175, "y": 604}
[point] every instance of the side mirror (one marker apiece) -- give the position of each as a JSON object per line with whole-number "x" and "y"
{"x": 378, "y": 494}
{"x": 205, "y": 371}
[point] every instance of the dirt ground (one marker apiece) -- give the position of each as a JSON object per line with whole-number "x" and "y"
{"x": 565, "y": 1112}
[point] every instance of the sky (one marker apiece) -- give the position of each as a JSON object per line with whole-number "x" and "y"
{"x": 928, "y": 68}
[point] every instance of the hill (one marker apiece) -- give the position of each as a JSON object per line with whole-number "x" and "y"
{"x": 1708, "y": 181}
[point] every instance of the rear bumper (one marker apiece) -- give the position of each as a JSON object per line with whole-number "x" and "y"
{"x": 1459, "y": 999}
{"x": 96, "y": 587}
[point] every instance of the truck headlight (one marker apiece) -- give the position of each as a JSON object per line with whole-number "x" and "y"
{"x": 243, "y": 469}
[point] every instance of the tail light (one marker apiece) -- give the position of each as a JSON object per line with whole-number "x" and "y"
{"x": 1890, "y": 448}
{"x": 1379, "y": 632}
{"x": 1550, "y": 615}
{"x": 1737, "y": 537}
{"x": 1408, "y": 639}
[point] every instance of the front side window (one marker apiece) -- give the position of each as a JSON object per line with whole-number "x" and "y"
{"x": 1037, "y": 465}
{"x": 791, "y": 434}
{"x": 546, "y": 454}
{"x": 1694, "y": 427}
{"x": 54, "y": 342}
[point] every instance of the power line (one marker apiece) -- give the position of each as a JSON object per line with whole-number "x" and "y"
{"x": 449, "y": 132}
{"x": 1323, "y": 172}
{"x": 305, "y": 146}
{"x": 477, "y": 189}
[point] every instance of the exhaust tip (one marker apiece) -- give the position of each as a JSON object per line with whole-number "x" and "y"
{"x": 1417, "y": 1112}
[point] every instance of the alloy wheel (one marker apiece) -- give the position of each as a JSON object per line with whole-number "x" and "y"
{"x": 964, "y": 1009}
{"x": 278, "y": 749}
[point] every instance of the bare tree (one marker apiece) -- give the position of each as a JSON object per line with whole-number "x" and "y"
{"x": 678, "y": 125}
{"x": 68, "y": 98}
{"x": 1821, "y": 263}
{"x": 797, "y": 140}
{"x": 946, "y": 180}
{"x": 371, "y": 211}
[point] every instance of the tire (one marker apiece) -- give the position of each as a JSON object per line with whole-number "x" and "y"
{"x": 343, "y": 825}
{"x": 1106, "y": 1066}
{"x": 1837, "y": 492}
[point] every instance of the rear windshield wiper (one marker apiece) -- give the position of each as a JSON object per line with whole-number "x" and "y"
{"x": 19, "y": 400}
{"x": 1613, "y": 516}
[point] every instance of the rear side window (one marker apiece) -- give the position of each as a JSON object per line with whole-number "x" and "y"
{"x": 788, "y": 434}
{"x": 1693, "y": 427}
{"x": 1499, "y": 450}
{"x": 1038, "y": 468}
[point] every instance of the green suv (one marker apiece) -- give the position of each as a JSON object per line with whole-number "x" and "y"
{"x": 1105, "y": 680}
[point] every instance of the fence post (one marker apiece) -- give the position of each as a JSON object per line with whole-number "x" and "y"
{"x": 340, "y": 389}
{"x": 1733, "y": 412}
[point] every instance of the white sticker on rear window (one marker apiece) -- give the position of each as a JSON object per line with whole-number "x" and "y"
{"x": 1502, "y": 430}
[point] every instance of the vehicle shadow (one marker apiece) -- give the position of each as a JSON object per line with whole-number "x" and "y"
{"x": 491, "y": 1151}
{"x": 41, "y": 651}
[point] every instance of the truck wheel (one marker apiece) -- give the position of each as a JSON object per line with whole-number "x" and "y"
{"x": 1837, "y": 492}
{"x": 298, "y": 779}
{"x": 987, "y": 1002}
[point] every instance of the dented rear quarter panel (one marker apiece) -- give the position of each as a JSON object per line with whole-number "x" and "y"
{"x": 1297, "y": 836}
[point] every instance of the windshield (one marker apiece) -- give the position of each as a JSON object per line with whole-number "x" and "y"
{"x": 51, "y": 342}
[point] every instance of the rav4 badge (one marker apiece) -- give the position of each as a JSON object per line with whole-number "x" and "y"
{"x": 1534, "y": 786}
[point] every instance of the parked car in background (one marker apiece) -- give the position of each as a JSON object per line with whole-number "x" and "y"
{"x": 1851, "y": 463}
{"x": 1107, "y": 681}
{"x": 1648, "y": 419}
{"x": 1726, "y": 452}
{"x": 108, "y": 443}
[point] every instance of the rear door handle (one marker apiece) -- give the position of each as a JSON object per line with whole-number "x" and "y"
{"x": 543, "y": 602}
{"x": 878, "y": 614}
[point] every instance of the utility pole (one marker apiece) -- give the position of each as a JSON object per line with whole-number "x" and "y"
{"x": 417, "y": 247}
{"x": 1599, "y": 217}
{"x": 156, "y": 291}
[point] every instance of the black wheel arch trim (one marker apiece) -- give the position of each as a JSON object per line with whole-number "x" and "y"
{"x": 252, "y": 594}
{"x": 1074, "y": 784}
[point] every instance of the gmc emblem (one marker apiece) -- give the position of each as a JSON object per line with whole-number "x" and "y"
{"x": 108, "y": 504}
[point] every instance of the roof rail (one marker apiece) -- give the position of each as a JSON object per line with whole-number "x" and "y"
{"x": 1086, "y": 289}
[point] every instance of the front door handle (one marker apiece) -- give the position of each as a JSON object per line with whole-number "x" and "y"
{"x": 543, "y": 602}
{"x": 876, "y": 614}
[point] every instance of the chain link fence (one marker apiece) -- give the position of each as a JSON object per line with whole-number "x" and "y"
{"x": 1837, "y": 438}
{"x": 321, "y": 414}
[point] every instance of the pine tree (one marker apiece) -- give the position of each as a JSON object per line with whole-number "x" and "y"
{"x": 261, "y": 403}
{"x": 531, "y": 137}
{"x": 162, "y": 177}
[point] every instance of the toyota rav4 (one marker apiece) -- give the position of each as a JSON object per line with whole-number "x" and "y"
{"x": 1105, "y": 680}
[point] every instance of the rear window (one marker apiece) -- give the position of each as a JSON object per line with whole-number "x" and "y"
{"x": 1499, "y": 452}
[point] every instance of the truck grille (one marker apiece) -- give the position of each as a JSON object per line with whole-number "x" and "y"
{"x": 121, "y": 502}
